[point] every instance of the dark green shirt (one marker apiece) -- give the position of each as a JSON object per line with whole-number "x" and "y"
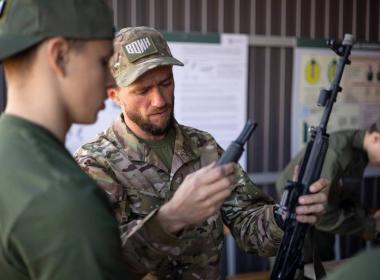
{"x": 365, "y": 266}
{"x": 163, "y": 148}
{"x": 55, "y": 222}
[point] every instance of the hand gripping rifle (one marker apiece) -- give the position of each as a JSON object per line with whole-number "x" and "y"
{"x": 290, "y": 254}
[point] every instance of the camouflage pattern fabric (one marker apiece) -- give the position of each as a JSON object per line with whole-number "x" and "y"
{"x": 138, "y": 50}
{"x": 138, "y": 183}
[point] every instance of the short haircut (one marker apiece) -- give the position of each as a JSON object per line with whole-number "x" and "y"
{"x": 21, "y": 62}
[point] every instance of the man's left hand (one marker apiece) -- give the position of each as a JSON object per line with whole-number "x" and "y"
{"x": 312, "y": 205}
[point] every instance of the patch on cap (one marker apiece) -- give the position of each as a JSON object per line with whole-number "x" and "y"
{"x": 2, "y": 7}
{"x": 139, "y": 48}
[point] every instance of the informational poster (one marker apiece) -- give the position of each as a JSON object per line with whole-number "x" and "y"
{"x": 362, "y": 80}
{"x": 357, "y": 106}
{"x": 210, "y": 90}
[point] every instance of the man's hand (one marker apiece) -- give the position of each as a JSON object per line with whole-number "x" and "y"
{"x": 199, "y": 197}
{"x": 312, "y": 205}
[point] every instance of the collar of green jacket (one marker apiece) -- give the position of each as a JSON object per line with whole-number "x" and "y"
{"x": 185, "y": 149}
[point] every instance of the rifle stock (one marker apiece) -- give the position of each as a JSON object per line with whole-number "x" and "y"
{"x": 290, "y": 253}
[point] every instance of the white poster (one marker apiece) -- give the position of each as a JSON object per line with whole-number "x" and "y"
{"x": 211, "y": 89}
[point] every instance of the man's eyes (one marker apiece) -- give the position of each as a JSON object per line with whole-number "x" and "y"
{"x": 141, "y": 91}
{"x": 167, "y": 82}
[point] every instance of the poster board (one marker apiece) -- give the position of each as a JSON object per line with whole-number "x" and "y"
{"x": 210, "y": 90}
{"x": 357, "y": 106}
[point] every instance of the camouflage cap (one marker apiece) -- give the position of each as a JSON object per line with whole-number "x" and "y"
{"x": 137, "y": 50}
{"x": 25, "y": 23}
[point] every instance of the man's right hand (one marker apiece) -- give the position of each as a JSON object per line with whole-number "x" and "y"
{"x": 200, "y": 196}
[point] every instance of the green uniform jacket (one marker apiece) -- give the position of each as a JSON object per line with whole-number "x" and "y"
{"x": 345, "y": 158}
{"x": 365, "y": 266}
{"x": 55, "y": 224}
{"x": 138, "y": 183}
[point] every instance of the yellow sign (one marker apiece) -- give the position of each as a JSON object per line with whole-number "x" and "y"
{"x": 331, "y": 69}
{"x": 312, "y": 72}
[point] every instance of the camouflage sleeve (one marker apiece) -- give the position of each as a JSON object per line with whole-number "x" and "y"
{"x": 145, "y": 243}
{"x": 248, "y": 213}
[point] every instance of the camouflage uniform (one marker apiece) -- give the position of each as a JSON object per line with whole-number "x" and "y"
{"x": 344, "y": 214}
{"x": 138, "y": 183}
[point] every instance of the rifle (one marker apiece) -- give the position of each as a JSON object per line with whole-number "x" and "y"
{"x": 236, "y": 148}
{"x": 290, "y": 253}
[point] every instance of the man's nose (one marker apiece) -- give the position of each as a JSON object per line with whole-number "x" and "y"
{"x": 158, "y": 99}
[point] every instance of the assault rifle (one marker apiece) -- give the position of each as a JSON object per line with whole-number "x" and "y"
{"x": 290, "y": 254}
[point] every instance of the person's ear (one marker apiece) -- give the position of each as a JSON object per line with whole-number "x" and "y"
{"x": 58, "y": 55}
{"x": 113, "y": 94}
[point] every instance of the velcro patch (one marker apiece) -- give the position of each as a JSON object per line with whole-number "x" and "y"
{"x": 139, "y": 48}
{"x": 2, "y": 7}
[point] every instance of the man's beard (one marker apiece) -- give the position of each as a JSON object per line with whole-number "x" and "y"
{"x": 156, "y": 130}
{"x": 150, "y": 127}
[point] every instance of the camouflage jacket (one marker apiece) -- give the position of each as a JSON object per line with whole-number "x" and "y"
{"x": 138, "y": 183}
{"x": 344, "y": 168}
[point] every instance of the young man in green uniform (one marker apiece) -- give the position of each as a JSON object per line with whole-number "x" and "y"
{"x": 349, "y": 153}
{"x": 170, "y": 199}
{"x": 55, "y": 223}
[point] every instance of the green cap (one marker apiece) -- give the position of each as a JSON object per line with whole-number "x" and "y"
{"x": 137, "y": 50}
{"x": 25, "y": 23}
